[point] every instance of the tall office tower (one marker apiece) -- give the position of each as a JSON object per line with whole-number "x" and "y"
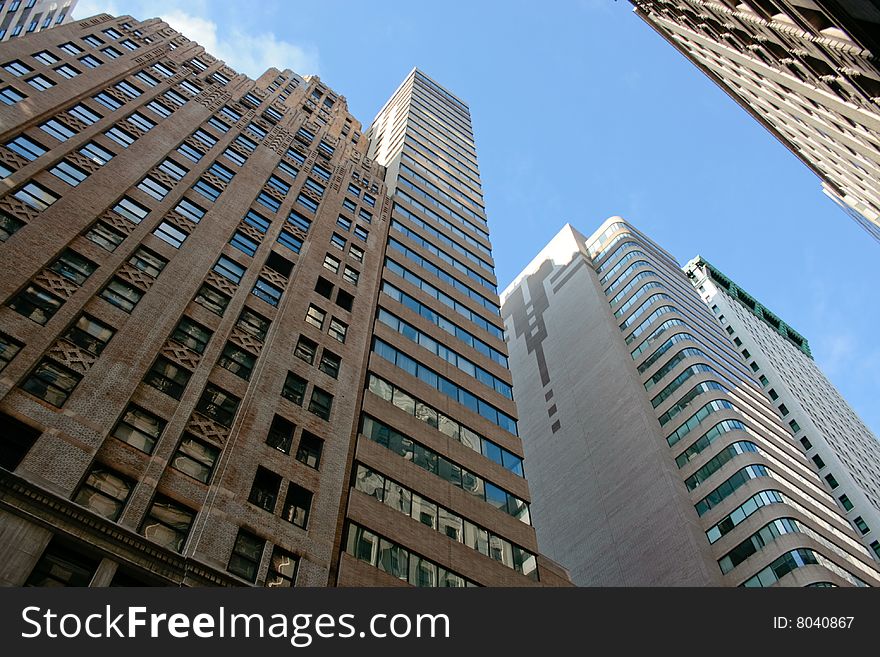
{"x": 807, "y": 70}
{"x": 191, "y": 265}
{"x": 843, "y": 450}
{"x": 438, "y": 437}
{"x": 20, "y": 17}
{"x": 654, "y": 456}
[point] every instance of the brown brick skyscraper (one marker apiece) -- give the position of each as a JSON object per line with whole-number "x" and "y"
{"x": 191, "y": 389}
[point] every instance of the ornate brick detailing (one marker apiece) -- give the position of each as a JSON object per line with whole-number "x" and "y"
{"x": 180, "y": 355}
{"x": 178, "y": 221}
{"x": 56, "y": 283}
{"x": 278, "y": 140}
{"x": 214, "y": 180}
{"x": 273, "y": 277}
{"x": 207, "y": 428}
{"x": 227, "y": 72}
{"x": 96, "y": 20}
{"x": 87, "y": 164}
{"x": 114, "y": 220}
{"x": 309, "y": 193}
{"x": 238, "y": 149}
{"x": 135, "y": 276}
{"x": 213, "y": 98}
{"x": 164, "y": 178}
{"x": 72, "y": 121}
{"x": 10, "y": 159}
{"x": 250, "y": 231}
{"x": 150, "y": 56}
{"x": 195, "y": 143}
{"x": 221, "y": 283}
{"x": 131, "y": 127}
{"x": 69, "y": 355}
{"x": 117, "y": 95}
{"x": 274, "y": 193}
{"x": 296, "y": 230}
{"x": 245, "y": 340}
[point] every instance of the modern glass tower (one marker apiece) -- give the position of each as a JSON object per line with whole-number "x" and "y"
{"x": 654, "y": 454}
{"x": 844, "y": 451}
{"x": 227, "y": 357}
{"x": 807, "y": 70}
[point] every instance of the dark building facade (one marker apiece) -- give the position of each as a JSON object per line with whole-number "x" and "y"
{"x": 201, "y": 382}
{"x": 807, "y": 70}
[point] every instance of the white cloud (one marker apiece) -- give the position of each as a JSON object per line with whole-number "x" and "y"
{"x": 245, "y": 52}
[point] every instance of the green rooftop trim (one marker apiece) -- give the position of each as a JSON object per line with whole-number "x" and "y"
{"x": 754, "y": 306}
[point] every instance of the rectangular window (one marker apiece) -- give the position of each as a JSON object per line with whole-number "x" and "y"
{"x": 217, "y": 124}
{"x": 195, "y": 458}
{"x": 93, "y": 41}
{"x": 229, "y": 269}
{"x": 173, "y": 169}
{"x": 90, "y": 61}
{"x": 52, "y": 382}
{"x": 105, "y": 236}
{"x": 61, "y": 131}
{"x": 192, "y": 335}
{"x": 299, "y": 221}
{"x": 168, "y": 377}
{"x": 170, "y": 234}
{"x": 207, "y": 139}
{"x": 36, "y": 304}
{"x": 45, "y": 57}
{"x": 282, "y": 569}
{"x": 10, "y": 96}
{"x": 247, "y": 144}
{"x": 131, "y": 210}
{"x": 306, "y": 202}
{"x": 269, "y": 293}
{"x": 107, "y": 101}
{"x": 294, "y": 389}
{"x": 73, "y": 266}
{"x": 279, "y": 185}
{"x": 306, "y": 350}
{"x": 321, "y": 403}
{"x": 309, "y": 450}
{"x": 70, "y": 49}
{"x": 68, "y": 173}
{"x": 235, "y": 157}
{"x": 8, "y": 350}
{"x": 189, "y": 152}
{"x": 264, "y": 490}
{"x": 207, "y": 190}
{"x": 96, "y": 153}
{"x": 365, "y": 216}
{"x": 253, "y": 323}
{"x": 84, "y": 114}
{"x": 291, "y": 242}
{"x": 152, "y": 187}
{"x": 212, "y": 299}
{"x": 237, "y": 360}
{"x": 190, "y": 210}
{"x": 361, "y": 233}
{"x": 40, "y": 82}
{"x": 148, "y": 262}
{"x": 159, "y": 109}
{"x": 111, "y": 52}
{"x": 337, "y": 241}
{"x": 244, "y": 243}
{"x": 168, "y": 523}
{"x": 297, "y": 505}
{"x": 356, "y": 253}
{"x": 26, "y": 147}
{"x": 330, "y": 364}
{"x": 343, "y": 222}
{"x": 141, "y": 121}
{"x": 105, "y": 492}
{"x": 280, "y": 434}
{"x": 267, "y": 201}
{"x": 314, "y": 186}
{"x": 120, "y": 136}
{"x": 337, "y": 329}
{"x": 67, "y": 71}
{"x": 315, "y": 316}
{"x": 350, "y": 275}
{"x": 89, "y": 334}
{"x": 321, "y": 172}
{"x": 246, "y": 555}
{"x": 331, "y": 263}
{"x": 218, "y": 404}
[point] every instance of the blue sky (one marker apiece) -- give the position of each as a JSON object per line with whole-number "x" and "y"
{"x": 581, "y": 112}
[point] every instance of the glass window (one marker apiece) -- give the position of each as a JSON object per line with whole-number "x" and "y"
{"x": 329, "y": 363}
{"x": 36, "y": 304}
{"x": 121, "y": 294}
{"x": 246, "y": 555}
{"x": 280, "y": 434}
{"x": 237, "y": 360}
{"x": 192, "y": 335}
{"x": 74, "y": 267}
{"x": 294, "y": 388}
{"x": 148, "y": 262}
{"x": 253, "y": 323}
{"x": 229, "y": 269}
{"x": 321, "y": 403}
{"x": 89, "y": 334}
{"x": 105, "y": 236}
{"x": 264, "y": 490}
{"x": 105, "y": 492}
{"x": 167, "y": 523}
{"x": 282, "y": 569}
{"x": 52, "y": 382}
{"x": 309, "y": 449}
{"x": 168, "y": 377}
{"x": 195, "y": 458}
{"x": 212, "y": 299}
{"x": 218, "y": 405}
{"x": 297, "y": 505}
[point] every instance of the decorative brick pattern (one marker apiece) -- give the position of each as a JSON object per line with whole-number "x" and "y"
{"x": 56, "y": 283}
{"x": 135, "y": 276}
{"x": 221, "y": 283}
{"x": 245, "y": 340}
{"x": 71, "y": 356}
{"x": 207, "y": 428}
{"x": 273, "y": 277}
{"x": 181, "y": 355}
{"x": 10, "y": 159}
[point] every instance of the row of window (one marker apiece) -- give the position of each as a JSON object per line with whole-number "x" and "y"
{"x": 429, "y": 460}
{"x": 445, "y": 386}
{"x": 441, "y": 519}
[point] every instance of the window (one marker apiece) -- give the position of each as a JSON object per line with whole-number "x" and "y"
{"x": 10, "y": 96}
{"x": 344, "y": 300}
{"x": 95, "y": 153}
{"x": 763, "y": 380}
{"x": 70, "y": 49}
{"x": 314, "y": 186}
{"x": 324, "y": 287}
{"x": 278, "y": 185}
{"x": 90, "y": 61}
{"x": 167, "y": 523}
{"x": 106, "y": 237}
{"x": 282, "y": 569}
{"x": 218, "y": 404}
{"x": 321, "y": 403}
{"x": 321, "y": 172}
{"x": 331, "y": 263}
{"x": 84, "y": 114}
{"x": 306, "y": 350}
{"x": 93, "y": 41}
{"x": 237, "y": 360}
{"x": 204, "y": 137}
{"x": 173, "y": 169}
{"x": 139, "y": 428}
{"x": 253, "y": 323}
{"x": 795, "y": 427}
{"x": 121, "y": 294}
{"x": 343, "y": 222}
{"x": 294, "y": 389}
{"x": 269, "y": 293}
{"x": 192, "y": 335}
{"x": 111, "y": 52}
{"x": 350, "y": 275}
{"x": 68, "y": 173}
{"x": 264, "y": 490}
{"x": 229, "y": 269}
{"x": 26, "y": 147}
{"x": 36, "y": 196}
{"x": 170, "y": 234}
{"x": 218, "y": 124}
{"x": 36, "y": 304}
{"x": 73, "y": 266}
{"x": 105, "y": 492}
{"x": 299, "y": 221}
{"x": 9, "y": 225}
{"x": 45, "y": 57}
{"x": 195, "y": 458}
{"x": 337, "y": 329}
{"x": 152, "y": 187}
{"x": 59, "y": 130}
{"x": 168, "y": 377}
{"x": 773, "y": 394}
{"x": 861, "y": 525}
{"x": 291, "y": 242}
{"x": 309, "y": 450}
{"x": 337, "y": 241}
{"x": 8, "y": 350}
{"x": 189, "y": 152}
{"x": 120, "y": 136}
{"x": 297, "y": 505}
{"x": 256, "y": 130}
{"x": 235, "y": 157}
{"x": 844, "y": 501}
{"x": 206, "y": 189}
{"x": 361, "y": 233}
{"x": 806, "y": 444}
{"x": 51, "y": 382}
{"x": 832, "y": 482}
{"x": 212, "y": 299}
{"x": 280, "y": 434}
{"x": 67, "y": 71}
{"x": 307, "y": 202}
{"x": 246, "y": 555}
{"x": 40, "y": 82}
{"x": 267, "y": 201}
{"x": 354, "y": 190}
{"x": 783, "y": 409}
{"x": 89, "y": 334}
{"x": 315, "y": 316}
{"x": 190, "y": 210}
{"x": 366, "y": 216}
{"x": 369, "y": 200}
{"x": 356, "y": 253}
{"x": 107, "y": 100}
{"x": 818, "y": 461}
{"x": 330, "y": 363}
{"x": 244, "y": 243}
{"x": 247, "y": 144}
